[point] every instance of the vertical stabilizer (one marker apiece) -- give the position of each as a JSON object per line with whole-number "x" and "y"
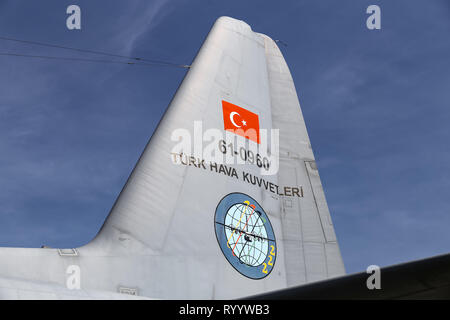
{"x": 168, "y": 208}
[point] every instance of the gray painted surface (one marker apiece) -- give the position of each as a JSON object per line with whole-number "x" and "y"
{"x": 159, "y": 240}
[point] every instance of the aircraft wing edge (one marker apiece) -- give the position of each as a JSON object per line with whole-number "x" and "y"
{"x": 421, "y": 279}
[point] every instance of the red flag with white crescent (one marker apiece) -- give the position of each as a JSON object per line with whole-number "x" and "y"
{"x": 240, "y": 121}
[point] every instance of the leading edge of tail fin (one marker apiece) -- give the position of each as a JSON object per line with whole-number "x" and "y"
{"x": 226, "y": 199}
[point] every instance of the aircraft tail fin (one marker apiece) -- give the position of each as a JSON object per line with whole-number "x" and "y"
{"x": 226, "y": 199}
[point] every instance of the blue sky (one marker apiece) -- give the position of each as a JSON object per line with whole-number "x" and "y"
{"x": 376, "y": 104}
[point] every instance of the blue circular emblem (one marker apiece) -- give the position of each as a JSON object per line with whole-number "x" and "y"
{"x": 245, "y": 235}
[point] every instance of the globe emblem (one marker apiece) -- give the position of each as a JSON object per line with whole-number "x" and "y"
{"x": 245, "y": 235}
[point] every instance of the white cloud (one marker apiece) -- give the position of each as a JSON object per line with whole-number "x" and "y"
{"x": 143, "y": 19}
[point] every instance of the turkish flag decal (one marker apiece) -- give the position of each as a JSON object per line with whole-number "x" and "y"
{"x": 240, "y": 121}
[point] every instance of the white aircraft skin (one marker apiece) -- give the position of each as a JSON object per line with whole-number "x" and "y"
{"x": 159, "y": 240}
